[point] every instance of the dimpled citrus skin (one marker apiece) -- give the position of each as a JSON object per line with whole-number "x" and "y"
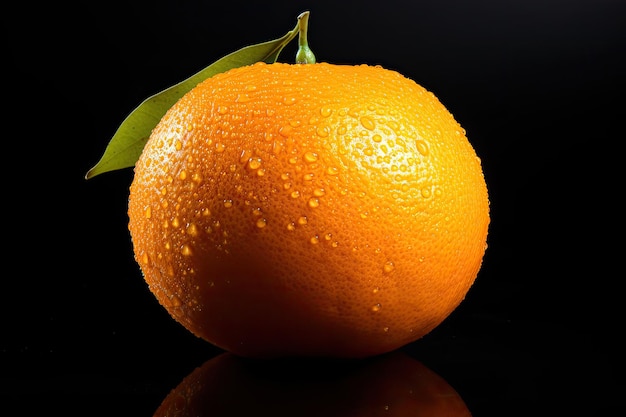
{"x": 309, "y": 210}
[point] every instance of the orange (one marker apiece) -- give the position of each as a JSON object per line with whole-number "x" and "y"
{"x": 309, "y": 210}
{"x": 391, "y": 385}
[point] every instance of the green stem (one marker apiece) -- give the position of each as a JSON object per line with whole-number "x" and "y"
{"x": 304, "y": 54}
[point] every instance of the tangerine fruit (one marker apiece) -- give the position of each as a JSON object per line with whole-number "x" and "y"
{"x": 309, "y": 210}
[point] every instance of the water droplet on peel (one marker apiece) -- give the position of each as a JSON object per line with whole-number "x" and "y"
{"x": 388, "y": 267}
{"x": 277, "y": 147}
{"x": 332, "y": 170}
{"x": 375, "y": 290}
{"x": 393, "y": 125}
{"x": 303, "y": 220}
{"x": 367, "y": 123}
{"x": 285, "y": 131}
{"x": 254, "y": 163}
{"x": 219, "y": 147}
{"x": 385, "y": 329}
{"x": 242, "y": 98}
{"x": 376, "y": 307}
{"x": 295, "y": 194}
{"x": 261, "y": 223}
{"x": 425, "y": 192}
{"x": 244, "y": 156}
{"x": 186, "y": 250}
{"x": 322, "y": 131}
{"x": 148, "y": 212}
{"x": 422, "y": 147}
{"x": 228, "y": 203}
{"x": 326, "y": 111}
{"x": 178, "y": 145}
{"x": 310, "y": 157}
{"x": 196, "y": 177}
{"x": 377, "y": 138}
{"x": 222, "y": 109}
{"x": 175, "y": 301}
{"x": 288, "y": 101}
{"x": 291, "y": 226}
{"x": 175, "y": 222}
{"x": 318, "y": 192}
{"x": 314, "y": 202}
{"x": 192, "y": 230}
{"x": 314, "y": 240}
{"x": 182, "y": 175}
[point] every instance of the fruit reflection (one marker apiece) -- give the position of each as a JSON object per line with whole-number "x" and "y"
{"x": 389, "y": 385}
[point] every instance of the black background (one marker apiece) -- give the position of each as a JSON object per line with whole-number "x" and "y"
{"x": 538, "y": 85}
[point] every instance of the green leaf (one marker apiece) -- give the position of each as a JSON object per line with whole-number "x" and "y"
{"x": 130, "y": 138}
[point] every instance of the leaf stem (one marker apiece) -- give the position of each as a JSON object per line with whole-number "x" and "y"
{"x": 304, "y": 54}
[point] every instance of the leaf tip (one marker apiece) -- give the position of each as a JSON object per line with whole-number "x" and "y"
{"x": 90, "y": 174}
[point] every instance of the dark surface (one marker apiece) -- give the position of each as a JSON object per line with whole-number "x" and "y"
{"x": 538, "y": 85}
